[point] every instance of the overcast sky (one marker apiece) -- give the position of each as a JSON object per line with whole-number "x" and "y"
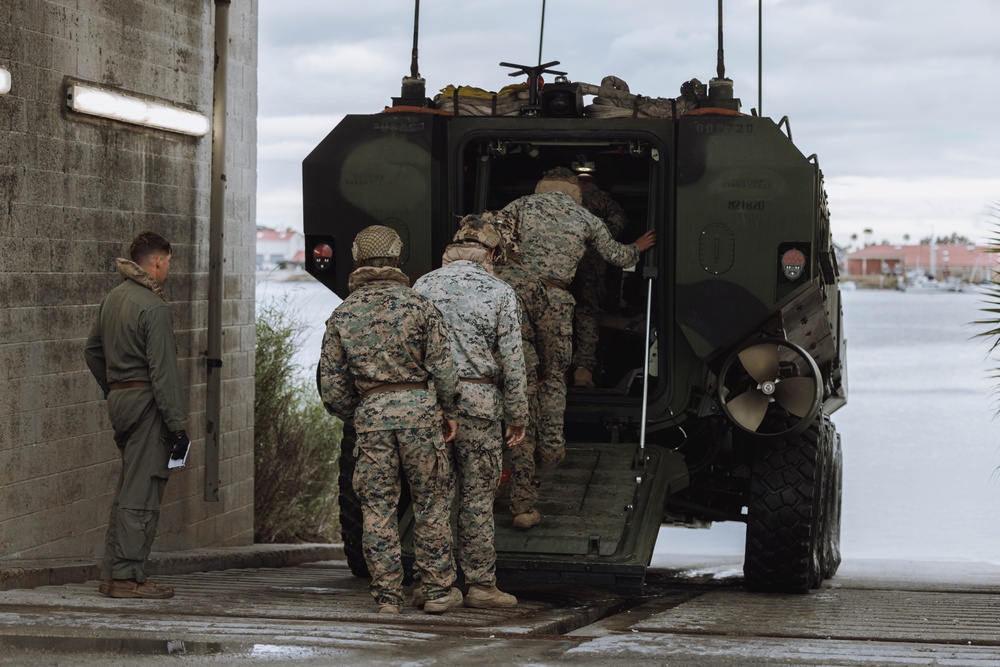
{"x": 899, "y": 99}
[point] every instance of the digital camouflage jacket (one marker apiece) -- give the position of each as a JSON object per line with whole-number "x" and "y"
{"x": 385, "y": 332}
{"x": 481, "y": 311}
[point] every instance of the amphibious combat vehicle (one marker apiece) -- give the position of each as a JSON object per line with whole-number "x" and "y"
{"x": 721, "y": 355}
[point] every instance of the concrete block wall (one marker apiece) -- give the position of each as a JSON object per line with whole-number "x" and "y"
{"x": 74, "y": 190}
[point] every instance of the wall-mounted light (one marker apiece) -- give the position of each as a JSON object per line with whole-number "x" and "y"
{"x": 4, "y": 81}
{"x": 129, "y": 109}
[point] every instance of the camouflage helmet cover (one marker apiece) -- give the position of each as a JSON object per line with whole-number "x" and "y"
{"x": 510, "y": 233}
{"x": 478, "y": 229}
{"x": 374, "y": 242}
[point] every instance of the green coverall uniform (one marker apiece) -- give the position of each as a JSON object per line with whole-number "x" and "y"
{"x": 133, "y": 341}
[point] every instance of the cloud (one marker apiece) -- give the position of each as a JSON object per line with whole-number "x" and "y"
{"x": 895, "y": 97}
{"x": 312, "y": 127}
{"x": 892, "y": 206}
{"x": 280, "y": 208}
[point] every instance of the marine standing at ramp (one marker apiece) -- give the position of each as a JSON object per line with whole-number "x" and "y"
{"x": 481, "y": 311}
{"x": 132, "y": 354}
{"x": 555, "y": 232}
{"x": 588, "y": 287}
{"x": 382, "y": 345}
{"x": 533, "y": 306}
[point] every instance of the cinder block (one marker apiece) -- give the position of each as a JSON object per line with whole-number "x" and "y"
{"x": 82, "y": 188}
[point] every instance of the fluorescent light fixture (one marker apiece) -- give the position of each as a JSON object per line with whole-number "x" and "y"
{"x": 129, "y": 109}
{"x": 4, "y": 81}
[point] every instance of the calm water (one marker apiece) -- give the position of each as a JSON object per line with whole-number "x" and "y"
{"x": 920, "y": 441}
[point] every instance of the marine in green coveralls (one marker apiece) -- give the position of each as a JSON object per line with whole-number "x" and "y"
{"x": 132, "y": 355}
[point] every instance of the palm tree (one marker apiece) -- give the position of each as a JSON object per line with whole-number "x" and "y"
{"x": 992, "y": 298}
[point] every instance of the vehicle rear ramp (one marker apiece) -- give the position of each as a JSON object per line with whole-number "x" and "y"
{"x": 601, "y": 513}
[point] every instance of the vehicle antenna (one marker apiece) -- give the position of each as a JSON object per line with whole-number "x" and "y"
{"x": 541, "y": 34}
{"x": 414, "y": 70}
{"x": 721, "y": 68}
{"x": 413, "y": 91}
{"x": 760, "y": 57}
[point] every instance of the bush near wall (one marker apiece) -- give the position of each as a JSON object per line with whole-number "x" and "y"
{"x": 296, "y": 442}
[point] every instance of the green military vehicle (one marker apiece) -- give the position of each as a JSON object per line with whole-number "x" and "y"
{"x": 721, "y": 355}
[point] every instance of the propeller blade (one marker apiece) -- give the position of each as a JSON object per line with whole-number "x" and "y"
{"x": 796, "y": 395}
{"x": 761, "y": 362}
{"x": 748, "y": 409}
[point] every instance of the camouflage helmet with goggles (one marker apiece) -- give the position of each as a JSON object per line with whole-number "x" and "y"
{"x": 376, "y": 242}
{"x": 510, "y": 234}
{"x": 477, "y": 229}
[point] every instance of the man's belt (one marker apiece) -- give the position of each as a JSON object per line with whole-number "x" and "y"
{"x": 129, "y": 384}
{"x": 393, "y": 386}
{"x": 555, "y": 283}
{"x": 478, "y": 380}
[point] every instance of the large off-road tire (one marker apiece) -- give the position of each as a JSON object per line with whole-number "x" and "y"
{"x": 350, "y": 509}
{"x": 785, "y": 512}
{"x": 830, "y": 553}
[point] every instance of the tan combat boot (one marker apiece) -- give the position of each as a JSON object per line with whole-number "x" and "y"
{"x": 527, "y": 520}
{"x": 442, "y": 604}
{"x": 130, "y": 588}
{"x": 583, "y": 378}
{"x": 488, "y": 597}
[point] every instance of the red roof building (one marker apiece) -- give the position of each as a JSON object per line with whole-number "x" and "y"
{"x": 962, "y": 261}
{"x": 277, "y": 248}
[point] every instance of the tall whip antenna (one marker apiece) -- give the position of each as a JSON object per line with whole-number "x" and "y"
{"x": 541, "y": 34}
{"x": 760, "y": 58}
{"x": 413, "y": 92}
{"x": 722, "y": 64}
{"x": 414, "y": 70}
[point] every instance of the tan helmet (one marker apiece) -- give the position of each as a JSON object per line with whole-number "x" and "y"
{"x": 376, "y": 241}
{"x": 477, "y": 228}
{"x": 560, "y": 179}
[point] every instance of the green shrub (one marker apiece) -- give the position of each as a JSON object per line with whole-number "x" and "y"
{"x": 296, "y": 442}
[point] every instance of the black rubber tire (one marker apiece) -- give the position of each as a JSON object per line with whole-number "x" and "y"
{"x": 350, "y": 509}
{"x": 784, "y": 513}
{"x": 830, "y": 558}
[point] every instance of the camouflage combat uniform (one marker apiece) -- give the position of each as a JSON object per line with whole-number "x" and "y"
{"x": 481, "y": 311}
{"x": 533, "y": 303}
{"x": 385, "y": 333}
{"x": 588, "y": 287}
{"x": 555, "y": 232}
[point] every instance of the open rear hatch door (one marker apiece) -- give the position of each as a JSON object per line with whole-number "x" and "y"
{"x": 601, "y": 513}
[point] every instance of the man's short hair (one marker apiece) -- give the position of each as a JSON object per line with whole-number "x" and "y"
{"x": 147, "y": 244}
{"x": 560, "y": 179}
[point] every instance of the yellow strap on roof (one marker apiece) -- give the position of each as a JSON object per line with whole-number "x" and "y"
{"x": 472, "y": 91}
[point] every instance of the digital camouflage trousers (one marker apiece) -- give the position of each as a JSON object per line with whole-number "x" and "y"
{"x": 557, "y": 326}
{"x": 423, "y": 457}
{"x": 521, "y": 459}
{"x": 478, "y": 459}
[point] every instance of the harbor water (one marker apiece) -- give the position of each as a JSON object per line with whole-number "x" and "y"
{"x": 921, "y": 455}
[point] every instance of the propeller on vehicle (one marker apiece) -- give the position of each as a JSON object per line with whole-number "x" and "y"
{"x": 754, "y": 379}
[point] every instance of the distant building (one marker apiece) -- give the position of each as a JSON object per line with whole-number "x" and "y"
{"x": 276, "y": 249}
{"x": 970, "y": 262}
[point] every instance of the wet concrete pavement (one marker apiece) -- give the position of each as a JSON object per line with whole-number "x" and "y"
{"x": 694, "y": 611}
